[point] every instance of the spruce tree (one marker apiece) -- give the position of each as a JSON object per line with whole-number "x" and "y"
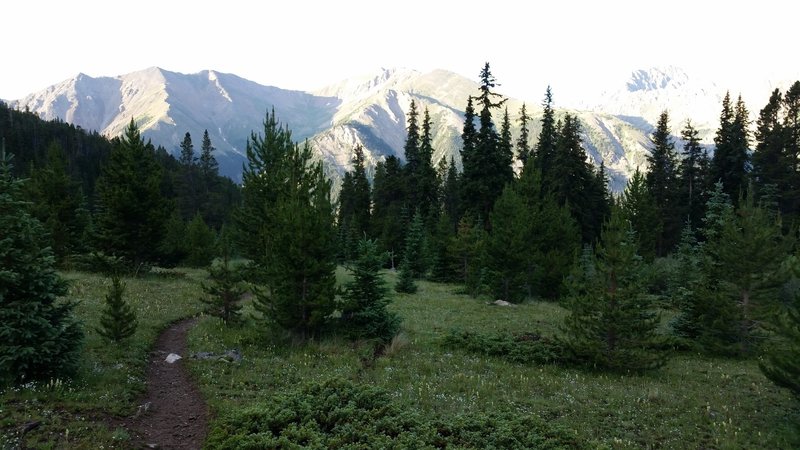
{"x": 488, "y": 168}
{"x": 187, "y": 157}
{"x": 731, "y": 156}
{"x": 781, "y": 363}
{"x": 131, "y": 209}
{"x": 355, "y": 199}
{"x": 548, "y": 138}
{"x": 451, "y": 194}
{"x": 118, "y": 320}
{"x": 208, "y": 163}
{"x": 200, "y": 241}
{"x": 693, "y": 176}
{"x": 441, "y": 243}
{"x": 189, "y": 187}
{"x": 405, "y": 280}
{"x": 469, "y": 253}
{"x": 524, "y": 152}
{"x": 364, "y": 315}
{"x": 507, "y": 248}
{"x": 57, "y": 202}
{"x": 39, "y": 337}
{"x": 610, "y": 322}
{"x": 286, "y": 228}
{"x": 388, "y": 221}
{"x": 790, "y": 204}
{"x": 412, "y": 155}
{"x": 638, "y": 207}
{"x": 224, "y": 290}
{"x": 662, "y": 183}
{"x": 425, "y": 177}
{"x": 414, "y": 252}
{"x": 506, "y": 146}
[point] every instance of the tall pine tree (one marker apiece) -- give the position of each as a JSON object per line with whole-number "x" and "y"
{"x": 132, "y": 212}
{"x": 693, "y": 176}
{"x": 731, "y": 155}
{"x": 662, "y": 183}
{"x": 524, "y": 152}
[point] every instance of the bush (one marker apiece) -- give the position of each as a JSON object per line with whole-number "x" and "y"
{"x": 524, "y": 348}
{"x": 341, "y": 414}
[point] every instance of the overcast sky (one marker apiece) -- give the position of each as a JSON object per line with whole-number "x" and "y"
{"x": 578, "y": 47}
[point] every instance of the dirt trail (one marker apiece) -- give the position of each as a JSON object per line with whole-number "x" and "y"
{"x": 173, "y": 415}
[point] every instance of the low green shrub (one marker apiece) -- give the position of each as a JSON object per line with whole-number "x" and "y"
{"x": 524, "y": 348}
{"x": 341, "y": 414}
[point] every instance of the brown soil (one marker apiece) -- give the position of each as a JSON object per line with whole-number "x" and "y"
{"x": 173, "y": 414}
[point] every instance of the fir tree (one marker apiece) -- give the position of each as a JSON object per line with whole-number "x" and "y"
{"x": 451, "y": 194}
{"x": 57, "y": 202}
{"x": 469, "y": 252}
{"x": 200, "y": 240}
{"x": 693, "y": 176}
{"x": 610, "y": 323}
{"x": 224, "y": 291}
{"x": 354, "y": 204}
{"x": 414, "y": 253}
{"x": 208, "y": 163}
{"x": 388, "y": 220}
{"x": 189, "y": 189}
{"x": 731, "y": 156}
{"x": 662, "y": 181}
{"x": 405, "y": 280}
{"x": 548, "y": 138}
{"x": 488, "y": 169}
{"x": 364, "y": 315}
{"x": 506, "y": 146}
{"x": 638, "y": 207}
{"x": 118, "y": 320}
{"x": 286, "y": 228}
{"x": 39, "y": 338}
{"x": 781, "y": 363}
{"x": 443, "y": 260}
{"x": 187, "y": 157}
{"x": 425, "y": 178}
{"x": 524, "y": 152}
{"x": 132, "y": 211}
{"x": 507, "y": 248}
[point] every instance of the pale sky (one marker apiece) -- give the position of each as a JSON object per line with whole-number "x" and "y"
{"x": 575, "y": 46}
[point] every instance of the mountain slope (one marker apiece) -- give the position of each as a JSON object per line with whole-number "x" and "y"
{"x": 369, "y": 110}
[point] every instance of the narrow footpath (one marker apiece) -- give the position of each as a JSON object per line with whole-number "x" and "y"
{"x": 172, "y": 414}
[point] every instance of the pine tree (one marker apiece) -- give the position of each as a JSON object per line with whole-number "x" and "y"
{"x": 662, "y": 181}
{"x": 39, "y": 338}
{"x": 208, "y": 163}
{"x": 488, "y": 168}
{"x": 451, "y": 194}
{"x": 57, "y": 202}
{"x": 548, "y": 138}
{"x": 414, "y": 252}
{"x": 731, "y": 156}
{"x": 286, "y": 228}
{"x": 426, "y": 174}
{"x": 364, "y": 315}
{"x": 507, "y": 248}
{"x": 790, "y": 206}
{"x": 118, "y": 320}
{"x": 524, "y": 152}
{"x": 224, "y": 291}
{"x": 412, "y": 155}
{"x": 132, "y": 211}
{"x": 638, "y": 207}
{"x": 744, "y": 267}
{"x": 200, "y": 240}
{"x": 405, "y": 280}
{"x": 610, "y": 322}
{"x": 781, "y": 363}
{"x": 469, "y": 252}
{"x": 693, "y": 176}
{"x": 355, "y": 200}
{"x": 389, "y": 197}
{"x": 506, "y": 146}
{"x": 441, "y": 243}
{"x": 187, "y": 157}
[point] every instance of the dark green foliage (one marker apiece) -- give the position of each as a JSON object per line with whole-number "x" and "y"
{"x": 441, "y": 245}
{"x": 743, "y": 268}
{"x": 524, "y": 151}
{"x": 174, "y": 247}
{"x": 342, "y": 414}
{"x": 118, "y": 320}
{"x": 405, "y": 280}
{"x": 485, "y": 158}
{"x": 364, "y": 314}
{"x": 286, "y": 228}
{"x": 573, "y": 181}
{"x": 209, "y": 167}
{"x": 190, "y": 182}
{"x": 782, "y": 359}
{"x": 424, "y": 180}
{"x": 469, "y": 253}
{"x": 39, "y": 338}
{"x": 187, "y": 157}
{"x": 200, "y": 240}
{"x": 545, "y": 150}
{"x": 731, "y": 155}
{"x": 662, "y": 184}
{"x": 414, "y": 264}
{"x": 388, "y": 205}
{"x": 132, "y": 211}
{"x": 451, "y": 194}
{"x": 639, "y": 208}
{"x": 610, "y": 323}
{"x": 507, "y": 247}
{"x": 693, "y": 176}
{"x": 224, "y": 291}
{"x": 57, "y": 202}
{"x": 355, "y": 202}
{"x": 523, "y": 348}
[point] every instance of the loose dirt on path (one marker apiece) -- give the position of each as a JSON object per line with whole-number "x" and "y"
{"x": 173, "y": 414}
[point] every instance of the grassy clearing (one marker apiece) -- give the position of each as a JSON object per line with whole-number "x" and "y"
{"x": 74, "y": 414}
{"x": 694, "y": 402}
